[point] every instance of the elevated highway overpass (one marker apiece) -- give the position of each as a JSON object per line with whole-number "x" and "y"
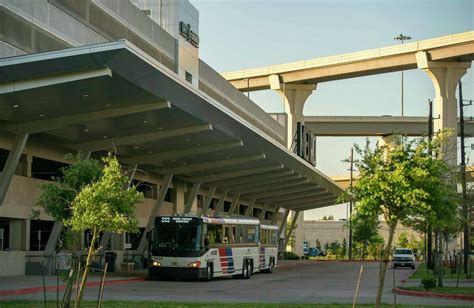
{"x": 373, "y": 126}
{"x": 451, "y": 48}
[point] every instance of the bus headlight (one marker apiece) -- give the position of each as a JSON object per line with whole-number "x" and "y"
{"x": 196, "y": 264}
{"x": 156, "y": 263}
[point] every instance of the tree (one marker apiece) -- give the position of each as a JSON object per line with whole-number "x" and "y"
{"x": 364, "y": 230}
{"x": 96, "y": 200}
{"x": 318, "y": 244}
{"x": 399, "y": 183}
{"x": 343, "y": 251}
{"x": 403, "y": 239}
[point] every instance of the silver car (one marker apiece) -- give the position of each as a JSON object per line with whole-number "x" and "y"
{"x": 403, "y": 257}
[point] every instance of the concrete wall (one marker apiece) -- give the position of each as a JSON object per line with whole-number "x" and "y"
{"x": 12, "y": 263}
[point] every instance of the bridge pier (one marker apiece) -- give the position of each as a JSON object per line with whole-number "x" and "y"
{"x": 445, "y": 77}
{"x": 295, "y": 96}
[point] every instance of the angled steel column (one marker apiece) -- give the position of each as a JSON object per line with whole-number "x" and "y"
{"x": 220, "y": 204}
{"x": 292, "y": 226}
{"x": 235, "y": 203}
{"x": 249, "y": 210}
{"x": 12, "y": 161}
{"x": 283, "y": 222}
{"x": 155, "y": 211}
{"x": 275, "y": 215}
{"x": 265, "y": 208}
{"x": 192, "y": 196}
{"x": 208, "y": 201}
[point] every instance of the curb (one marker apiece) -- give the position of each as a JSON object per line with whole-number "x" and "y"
{"x": 62, "y": 287}
{"x": 465, "y": 297}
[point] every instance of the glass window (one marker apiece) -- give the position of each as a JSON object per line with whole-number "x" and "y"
{"x": 251, "y": 234}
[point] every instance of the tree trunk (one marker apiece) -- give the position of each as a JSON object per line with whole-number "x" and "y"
{"x": 363, "y": 252}
{"x": 440, "y": 261}
{"x": 384, "y": 263}
{"x": 86, "y": 269}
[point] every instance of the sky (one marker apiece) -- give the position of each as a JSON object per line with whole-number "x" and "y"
{"x": 239, "y": 34}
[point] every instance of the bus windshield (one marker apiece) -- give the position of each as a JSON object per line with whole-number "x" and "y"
{"x": 172, "y": 235}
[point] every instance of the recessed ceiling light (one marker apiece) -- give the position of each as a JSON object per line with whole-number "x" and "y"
{"x": 186, "y": 140}
{"x": 173, "y": 160}
{"x": 218, "y": 153}
{"x": 16, "y": 106}
{"x": 41, "y": 115}
{"x": 149, "y": 152}
{"x": 107, "y": 105}
{"x": 146, "y": 121}
{"x": 86, "y": 130}
{"x": 160, "y": 128}
{"x": 136, "y": 147}
{"x": 184, "y": 164}
{"x": 105, "y": 137}
{"x": 85, "y": 95}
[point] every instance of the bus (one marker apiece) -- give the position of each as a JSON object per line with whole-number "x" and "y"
{"x": 196, "y": 247}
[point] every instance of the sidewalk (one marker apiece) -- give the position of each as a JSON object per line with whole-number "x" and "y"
{"x": 14, "y": 285}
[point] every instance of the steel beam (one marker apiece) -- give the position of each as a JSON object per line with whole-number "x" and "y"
{"x": 41, "y": 82}
{"x": 315, "y": 193}
{"x": 13, "y": 158}
{"x": 269, "y": 187}
{"x": 104, "y": 144}
{"x": 176, "y": 154}
{"x": 252, "y": 178}
{"x": 324, "y": 196}
{"x": 39, "y": 126}
{"x": 256, "y": 182}
{"x": 192, "y": 197}
{"x": 155, "y": 211}
{"x": 232, "y": 174}
{"x": 210, "y": 164}
{"x": 314, "y": 206}
{"x": 280, "y": 192}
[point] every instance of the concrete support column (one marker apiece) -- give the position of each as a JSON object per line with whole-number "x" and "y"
{"x": 53, "y": 238}
{"x": 19, "y": 238}
{"x": 178, "y": 198}
{"x": 10, "y": 166}
{"x": 445, "y": 77}
{"x": 294, "y": 96}
{"x": 389, "y": 142}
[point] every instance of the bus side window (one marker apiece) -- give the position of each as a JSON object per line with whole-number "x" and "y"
{"x": 251, "y": 234}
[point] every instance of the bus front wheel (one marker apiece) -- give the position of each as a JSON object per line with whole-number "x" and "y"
{"x": 247, "y": 270}
{"x": 209, "y": 272}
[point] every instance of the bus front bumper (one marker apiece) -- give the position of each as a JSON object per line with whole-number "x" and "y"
{"x": 176, "y": 272}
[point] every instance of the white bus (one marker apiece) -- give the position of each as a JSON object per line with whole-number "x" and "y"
{"x": 189, "y": 246}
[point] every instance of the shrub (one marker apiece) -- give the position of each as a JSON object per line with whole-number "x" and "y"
{"x": 428, "y": 283}
{"x": 291, "y": 256}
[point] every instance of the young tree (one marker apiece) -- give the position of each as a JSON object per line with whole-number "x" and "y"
{"x": 401, "y": 182}
{"x": 318, "y": 244}
{"x": 403, "y": 239}
{"x": 91, "y": 197}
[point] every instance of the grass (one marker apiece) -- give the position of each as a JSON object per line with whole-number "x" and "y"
{"x": 444, "y": 290}
{"x": 422, "y": 272}
{"x": 120, "y": 304}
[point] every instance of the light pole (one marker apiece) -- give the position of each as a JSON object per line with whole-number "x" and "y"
{"x": 402, "y": 37}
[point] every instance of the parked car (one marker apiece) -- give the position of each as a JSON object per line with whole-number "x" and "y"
{"x": 321, "y": 253}
{"x": 313, "y": 252}
{"x": 404, "y": 257}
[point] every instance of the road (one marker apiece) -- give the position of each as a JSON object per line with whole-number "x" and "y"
{"x": 293, "y": 282}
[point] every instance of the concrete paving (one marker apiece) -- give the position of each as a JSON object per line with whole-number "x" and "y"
{"x": 293, "y": 282}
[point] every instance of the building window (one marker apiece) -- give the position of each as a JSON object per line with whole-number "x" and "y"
{"x": 189, "y": 77}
